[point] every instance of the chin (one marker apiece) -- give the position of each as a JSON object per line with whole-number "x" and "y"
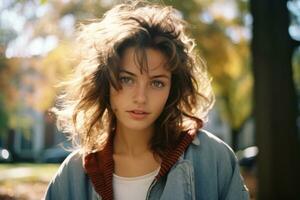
{"x": 137, "y": 126}
{"x": 133, "y": 125}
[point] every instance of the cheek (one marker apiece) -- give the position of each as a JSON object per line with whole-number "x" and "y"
{"x": 164, "y": 97}
{"x": 113, "y": 99}
{"x": 117, "y": 99}
{"x": 161, "y": 101}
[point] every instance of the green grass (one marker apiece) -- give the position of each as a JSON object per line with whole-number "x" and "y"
{"x": 25, "y": 181}
{"x": 38, "y": 166}
{"x": 33, "y": 172}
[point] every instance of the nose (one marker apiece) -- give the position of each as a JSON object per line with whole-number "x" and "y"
{"x": 140, "y": 94}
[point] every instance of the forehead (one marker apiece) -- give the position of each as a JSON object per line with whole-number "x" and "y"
{"x": 146, "y": 60}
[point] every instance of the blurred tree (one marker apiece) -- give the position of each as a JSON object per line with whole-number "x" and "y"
{"x": 222, "y": 42}
{"x": 8, "y": 93}
{"x": 296, "y": 70}
{"x": 219, "y": 35}
{"x": 28, "y": 79}
{"x": 3, "y": 117}
{"x": 294, "y": 8}
{"x": 275, "y": 100}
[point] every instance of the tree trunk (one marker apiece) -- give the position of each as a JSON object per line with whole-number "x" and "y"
{"x": 275, "y": 102}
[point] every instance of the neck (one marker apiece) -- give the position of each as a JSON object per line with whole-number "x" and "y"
{"x": 132, "y": 142}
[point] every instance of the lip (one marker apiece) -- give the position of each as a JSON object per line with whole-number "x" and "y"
{"x": 138, "y": 116}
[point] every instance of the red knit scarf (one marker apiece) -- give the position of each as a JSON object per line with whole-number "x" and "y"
{"x": 99, "y": 166}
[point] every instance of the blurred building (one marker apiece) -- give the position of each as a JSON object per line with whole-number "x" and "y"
{"x": 32, "y": 130}
{"x": 220, "y": 128}
{"x": 217, "y": 126}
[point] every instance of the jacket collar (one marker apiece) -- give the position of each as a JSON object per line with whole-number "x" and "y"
{"x": 196, "y": 141}
{"x": 99, "y": 166}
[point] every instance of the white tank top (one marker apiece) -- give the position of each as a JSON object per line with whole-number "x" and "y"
{"x": 132, "y": 188}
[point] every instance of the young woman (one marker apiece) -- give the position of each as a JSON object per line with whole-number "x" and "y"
{"x": 135, "y": 108}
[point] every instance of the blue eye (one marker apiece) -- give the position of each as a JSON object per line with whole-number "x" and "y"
{"x": 158, "y": 84}
{"x": 125, "y": 80}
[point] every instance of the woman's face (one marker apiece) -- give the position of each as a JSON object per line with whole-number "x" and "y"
{"x": 143, "y": 95}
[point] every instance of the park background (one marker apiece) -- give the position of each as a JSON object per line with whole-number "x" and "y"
{"x": 251, "y": 48}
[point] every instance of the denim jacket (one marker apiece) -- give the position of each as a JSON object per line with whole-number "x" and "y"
{"x": 208, "y": 170}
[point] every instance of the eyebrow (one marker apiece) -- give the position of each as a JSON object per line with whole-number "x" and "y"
{"x": 155, "y": 76}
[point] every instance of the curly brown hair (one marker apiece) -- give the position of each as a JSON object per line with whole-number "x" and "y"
{"x": 83, "y": 109}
